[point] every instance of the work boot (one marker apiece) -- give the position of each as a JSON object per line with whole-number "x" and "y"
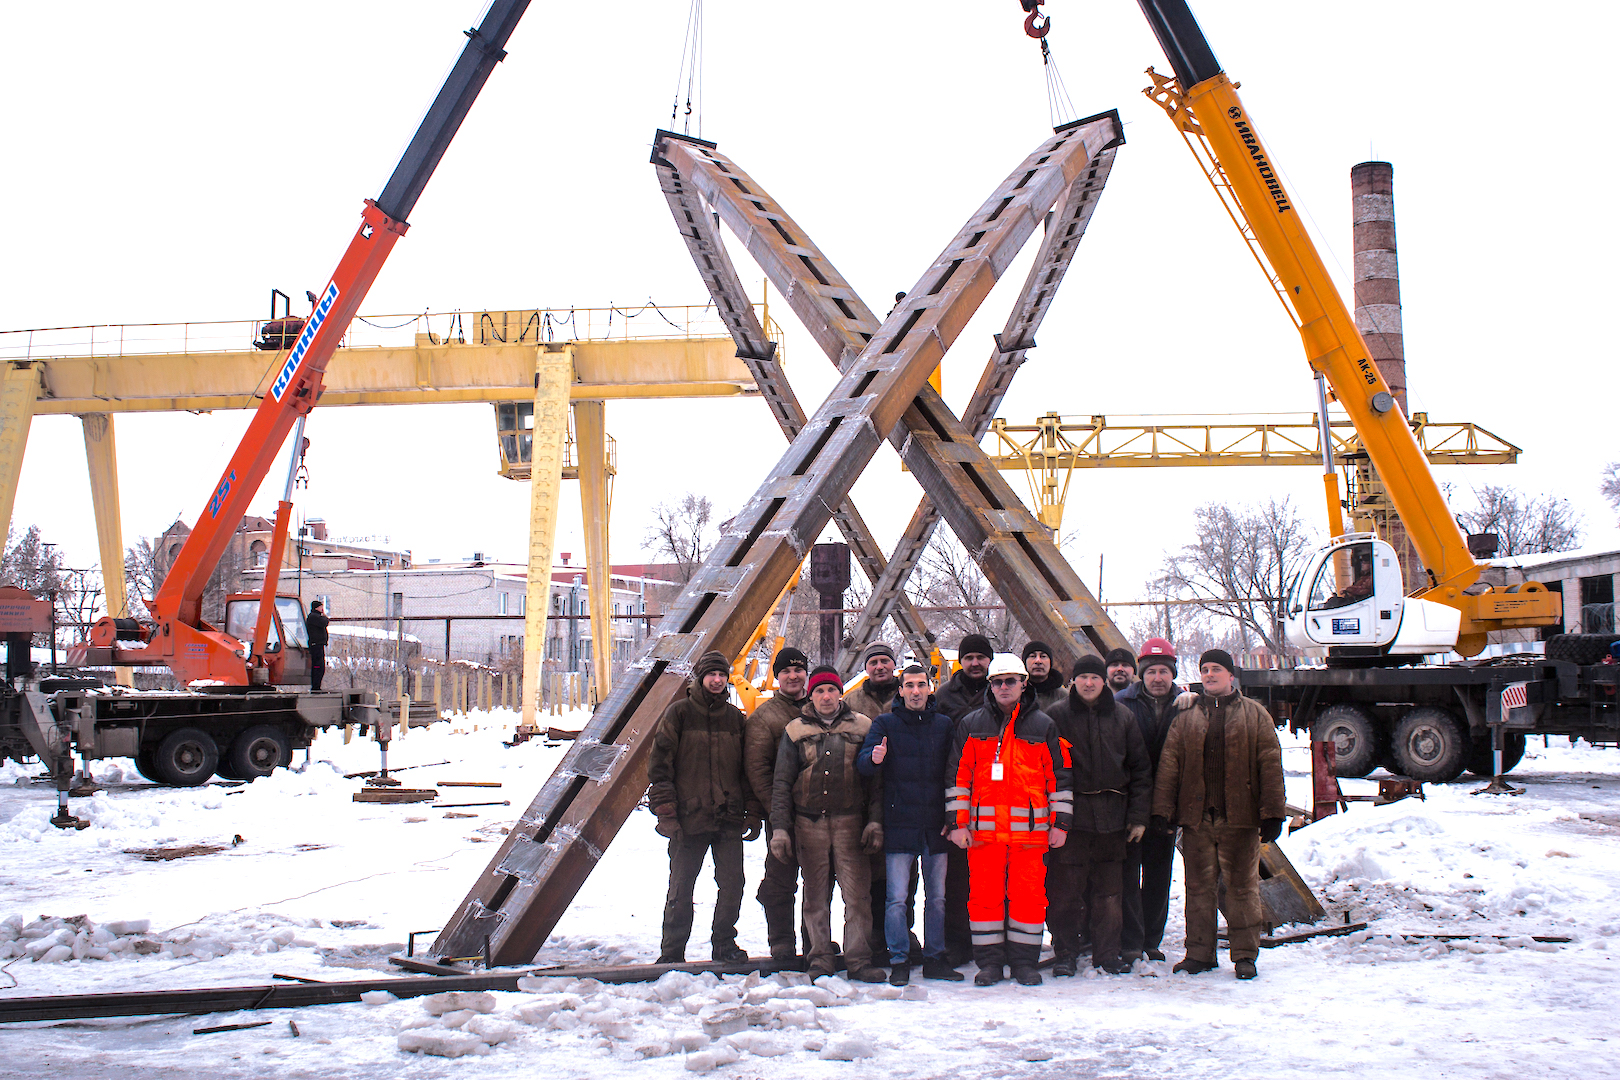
{"x": 1245, "y": 969}
{"x": 1194, "y": 967}
{"x": 671, "y": 958}
{"x": 818, "y": 968}
{"x": 1024, "y": 960}
{"x": 868, "y": 974}
{"x": 916, "y": 953}
{"x": 958, "y": 955}
{"x": 784, "y": 954}
{"x": 1114, "y": 967}
{"x": 989, "y": 958}
{"x": 1156, "y": 955}
{"x": 899, "y": 974}
{"x": 729, "y": 953}
{"x": 941, "y": 969}
{"x": 1063, "y": 967}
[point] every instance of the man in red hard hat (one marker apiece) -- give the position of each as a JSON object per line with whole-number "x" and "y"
{"x": 1145, "y": 896}
{"x": 1011, "y": 799}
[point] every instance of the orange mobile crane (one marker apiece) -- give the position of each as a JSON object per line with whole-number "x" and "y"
{"x": 234, "y": 719}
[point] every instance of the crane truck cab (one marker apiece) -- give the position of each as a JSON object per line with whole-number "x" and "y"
{"x": 287, "y": 644}
{"x": 1350, "y": 605}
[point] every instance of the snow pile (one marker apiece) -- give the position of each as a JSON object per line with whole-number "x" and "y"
{"x": 714, "y": 1020}
{"x": 51, "y": 940}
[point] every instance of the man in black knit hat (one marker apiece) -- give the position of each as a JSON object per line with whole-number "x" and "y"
{"x": 1221, "y": 779}
{"x": 701, "y": 796}
{"x": 1111, "y": 802}
{"x": 1050, "y": 689}
{"x": 957, "y": 696}
{"x": 779, "y": 887}
{"x": 1121, "y": 668}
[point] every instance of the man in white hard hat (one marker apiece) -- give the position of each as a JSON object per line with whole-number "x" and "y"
{"x": 1011, "y": 799}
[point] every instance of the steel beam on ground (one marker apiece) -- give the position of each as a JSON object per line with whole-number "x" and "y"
{"x": 553, "y": 367}
{"x": 692, "y": 216}
{"x": 554, "y": 845}
{"x": 1015, "y": 551}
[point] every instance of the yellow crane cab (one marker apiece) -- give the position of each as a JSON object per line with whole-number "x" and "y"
{"x": 1350, "y": 604}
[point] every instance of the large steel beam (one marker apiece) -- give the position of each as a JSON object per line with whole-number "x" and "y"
{"x": 1016, "y": 552}
{"x": 754, "y": 349}
{"x": 556, "y": 843}
{"x": 1064, "y": 232}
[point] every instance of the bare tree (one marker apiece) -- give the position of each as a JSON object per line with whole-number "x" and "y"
{"x": 1610, "y": 487}
{"x": 1239, "y": 567}
{"x": 679, "y": 533}
{"x": 947, "y": 577}
{"x": 1526, "y": 524}
{"x": 147, "y": 565}
{"x": 30, "y": 563}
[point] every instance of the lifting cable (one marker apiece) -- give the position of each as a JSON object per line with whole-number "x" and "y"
{"x": 1037, "y": 24}
{"x": 691, "y": 73}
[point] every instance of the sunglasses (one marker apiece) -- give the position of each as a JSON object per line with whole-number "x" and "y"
{"x": 1007, "y": 680}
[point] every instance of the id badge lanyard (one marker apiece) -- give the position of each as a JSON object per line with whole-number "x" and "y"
{"x": 997, "y": 769}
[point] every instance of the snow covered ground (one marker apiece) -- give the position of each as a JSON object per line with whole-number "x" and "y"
{"x": 322, "y": 887}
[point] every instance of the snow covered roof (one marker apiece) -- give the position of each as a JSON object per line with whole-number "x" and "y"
{"x": 1552, "y": 558}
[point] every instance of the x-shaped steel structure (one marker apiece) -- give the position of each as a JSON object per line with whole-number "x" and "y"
{"x": 882, "y": 392}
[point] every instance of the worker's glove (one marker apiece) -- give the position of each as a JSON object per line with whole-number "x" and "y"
{"x": 1186, "y": 699}
{"x": 872, "y": 838}
{"x": 669, "y": 826}
{"x": 751, "y": 828}
{"x": 961, "y": 838}
{"x": 782, "y": 845}
{"x": 1056, "y": 837}
{"x": 1134, "y": 833}
{"x": 1270, "y": 829}
{"x": 1160, "y": 825}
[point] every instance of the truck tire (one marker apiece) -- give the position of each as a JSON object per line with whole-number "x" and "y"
{"x": 1580, "y": 648}
{"x": 1482, "y": 759}
{"x": 257, "y": 752}
{"x": 186, "y": 758}
{"x": 1356, "y": 740}
{"x": 146, "y": 763}
{"x": 1430, "y": 745}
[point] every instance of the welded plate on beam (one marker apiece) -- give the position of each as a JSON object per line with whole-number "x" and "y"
{"x": 676, "y": 648}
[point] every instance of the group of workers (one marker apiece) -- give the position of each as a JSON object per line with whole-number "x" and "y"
{"x": 998, "y": 788}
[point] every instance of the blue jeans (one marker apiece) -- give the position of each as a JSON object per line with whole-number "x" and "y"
{"x": 897, "y": 865}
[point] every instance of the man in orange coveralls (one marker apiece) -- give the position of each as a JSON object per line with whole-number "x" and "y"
{"x": 1011, "y": 799}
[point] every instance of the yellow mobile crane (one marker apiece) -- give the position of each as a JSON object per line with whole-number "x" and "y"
{"x": 1375, "y": 700}
{"x": 1370, "y": 620}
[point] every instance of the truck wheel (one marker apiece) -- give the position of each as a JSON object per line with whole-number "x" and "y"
{"x": 1580, "y": 648}
{"x": 1482, "y": 760}
{"x": 186, "y": 758}
{"x": 146, "y": 763}
{"x": 258, "y": 751}
{"x": 1430, "y": 745}
{"x": 1355, "y": 738}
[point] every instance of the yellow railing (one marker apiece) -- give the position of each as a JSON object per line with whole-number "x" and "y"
{"x": 517, "y": 326}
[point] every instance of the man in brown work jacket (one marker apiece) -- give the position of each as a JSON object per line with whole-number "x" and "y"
{"x": 779, "y": 886}
{"x": 1221, "y": 779}
{"x": 703, "y": 803}
{"x": 825, "y": 809}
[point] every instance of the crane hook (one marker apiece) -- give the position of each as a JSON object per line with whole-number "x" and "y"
{"x": 1037, "y": 23}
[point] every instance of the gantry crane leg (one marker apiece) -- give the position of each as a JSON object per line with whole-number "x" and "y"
{"x": 19, "y": 385}
{"x": 590, "y": 449}
{"x": 101, "y": 454}
{"x": 553, "y": 371}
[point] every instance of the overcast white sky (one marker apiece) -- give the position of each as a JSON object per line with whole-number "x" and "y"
{"x": 174, "y": 162}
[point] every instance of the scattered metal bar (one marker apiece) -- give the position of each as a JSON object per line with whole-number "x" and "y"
{"x": 464, "y": 805}
{"x": 467, "y": 783}
{"x": 230, "y": 1027}
{"x": 401, "y": 768}
{"x": 221, "y": 999}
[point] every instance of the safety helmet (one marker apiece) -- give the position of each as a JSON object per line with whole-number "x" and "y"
{"x": 1007, "y": 664}
{"x": 1157, "y": 650}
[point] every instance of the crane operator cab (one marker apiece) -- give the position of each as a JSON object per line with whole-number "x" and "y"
{"x": 1350, "y": 604}
{"x": 288, "y": 666}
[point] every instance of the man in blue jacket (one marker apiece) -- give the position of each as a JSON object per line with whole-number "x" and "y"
{"x": 909, "y": 747}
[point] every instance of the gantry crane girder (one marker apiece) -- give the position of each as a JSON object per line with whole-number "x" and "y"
{"x": 558, "y": 840}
